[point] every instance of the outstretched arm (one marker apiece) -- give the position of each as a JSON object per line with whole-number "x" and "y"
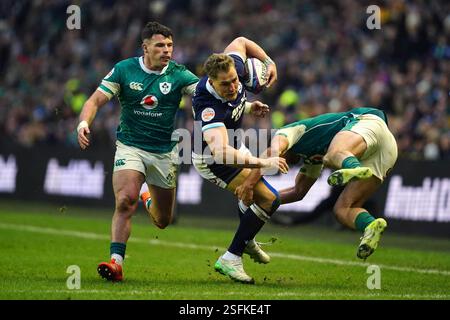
{"x": 296, "y": 193}
{"x": 217, "y": 140}
{"x": 303, "y": 184}
{"x": 257, "y": 108}
{"x": 278, "y": 147}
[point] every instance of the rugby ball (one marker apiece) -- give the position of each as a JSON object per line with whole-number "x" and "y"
{"x": 255, "y": 75}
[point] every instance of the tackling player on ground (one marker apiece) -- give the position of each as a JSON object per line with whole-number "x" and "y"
{"x": 149, "y": 89}
{"x": 360, "y": 148}
{"x": 219, "y": 103}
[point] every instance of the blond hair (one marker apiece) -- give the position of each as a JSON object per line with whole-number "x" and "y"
{"x": 217, "y": 62}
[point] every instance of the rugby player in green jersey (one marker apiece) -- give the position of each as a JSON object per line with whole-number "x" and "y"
{"x": 356, "y": 144}
{"x": 149, "y": 89}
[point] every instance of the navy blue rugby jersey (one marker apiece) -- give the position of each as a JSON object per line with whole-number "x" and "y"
{"x": 211, "y": 111}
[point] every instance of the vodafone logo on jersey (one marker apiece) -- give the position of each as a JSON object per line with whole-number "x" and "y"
{"x": 149, "y": 102}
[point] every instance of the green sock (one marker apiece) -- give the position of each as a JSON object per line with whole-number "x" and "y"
{"x": 118, "y": 248}
{"x": 362, "y": 220}
{"x": 350, "y": 163}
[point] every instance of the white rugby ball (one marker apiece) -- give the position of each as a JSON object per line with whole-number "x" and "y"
{"x": 256, "y": 75}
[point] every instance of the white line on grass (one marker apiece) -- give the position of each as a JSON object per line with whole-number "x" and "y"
{"x": 242, "y": 293}
{"x": 90, "y": 235}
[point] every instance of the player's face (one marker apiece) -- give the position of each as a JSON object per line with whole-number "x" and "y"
{"x": 227, "y": 84}
{"x": 158, "y": 51}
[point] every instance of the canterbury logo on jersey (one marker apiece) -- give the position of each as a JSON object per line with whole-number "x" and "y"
{"x": 120, "y": 162}
{"x": 136, "y": 86}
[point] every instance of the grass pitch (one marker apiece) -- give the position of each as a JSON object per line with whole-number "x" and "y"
{"x": 40, "y": 242}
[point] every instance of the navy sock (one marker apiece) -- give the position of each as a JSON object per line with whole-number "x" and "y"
{"x": 247, "y": 230}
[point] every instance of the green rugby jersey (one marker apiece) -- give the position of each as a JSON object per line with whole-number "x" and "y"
{"x": 312, "y": 137}
{"x": 149, "y": 102}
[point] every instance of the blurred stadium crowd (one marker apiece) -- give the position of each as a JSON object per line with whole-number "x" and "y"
{"x": 327, "y": 58}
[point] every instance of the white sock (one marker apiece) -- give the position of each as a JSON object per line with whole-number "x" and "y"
{"x": 242, "y": 206}
{"x": 230, "y": 256}
{"x": 118, "y": 258}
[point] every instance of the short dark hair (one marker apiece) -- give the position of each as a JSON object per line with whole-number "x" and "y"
{"x": 152, "y": 28}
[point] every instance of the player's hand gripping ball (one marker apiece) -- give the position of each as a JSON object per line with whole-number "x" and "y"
{"x": 256, "y": 75}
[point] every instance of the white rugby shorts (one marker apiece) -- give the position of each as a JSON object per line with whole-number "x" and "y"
{"x": 159, "y": 169}
{"x": 381, "y": 153}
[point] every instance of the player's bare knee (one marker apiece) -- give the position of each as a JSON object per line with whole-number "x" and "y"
{"x": 269, "y": 202}
{"x": 162, "y": 221}
{"x": 329, "y": 159}
{"x": 266, "y": 201}
{"x": 160, "y": 225}
{"x": 326, "y": 160}
{"x": 126, "y": 203}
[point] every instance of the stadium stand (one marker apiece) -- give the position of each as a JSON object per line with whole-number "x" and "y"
{"x": 328, "y": 60}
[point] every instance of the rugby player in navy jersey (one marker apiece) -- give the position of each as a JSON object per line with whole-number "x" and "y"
{"x": 219, "y": 103}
